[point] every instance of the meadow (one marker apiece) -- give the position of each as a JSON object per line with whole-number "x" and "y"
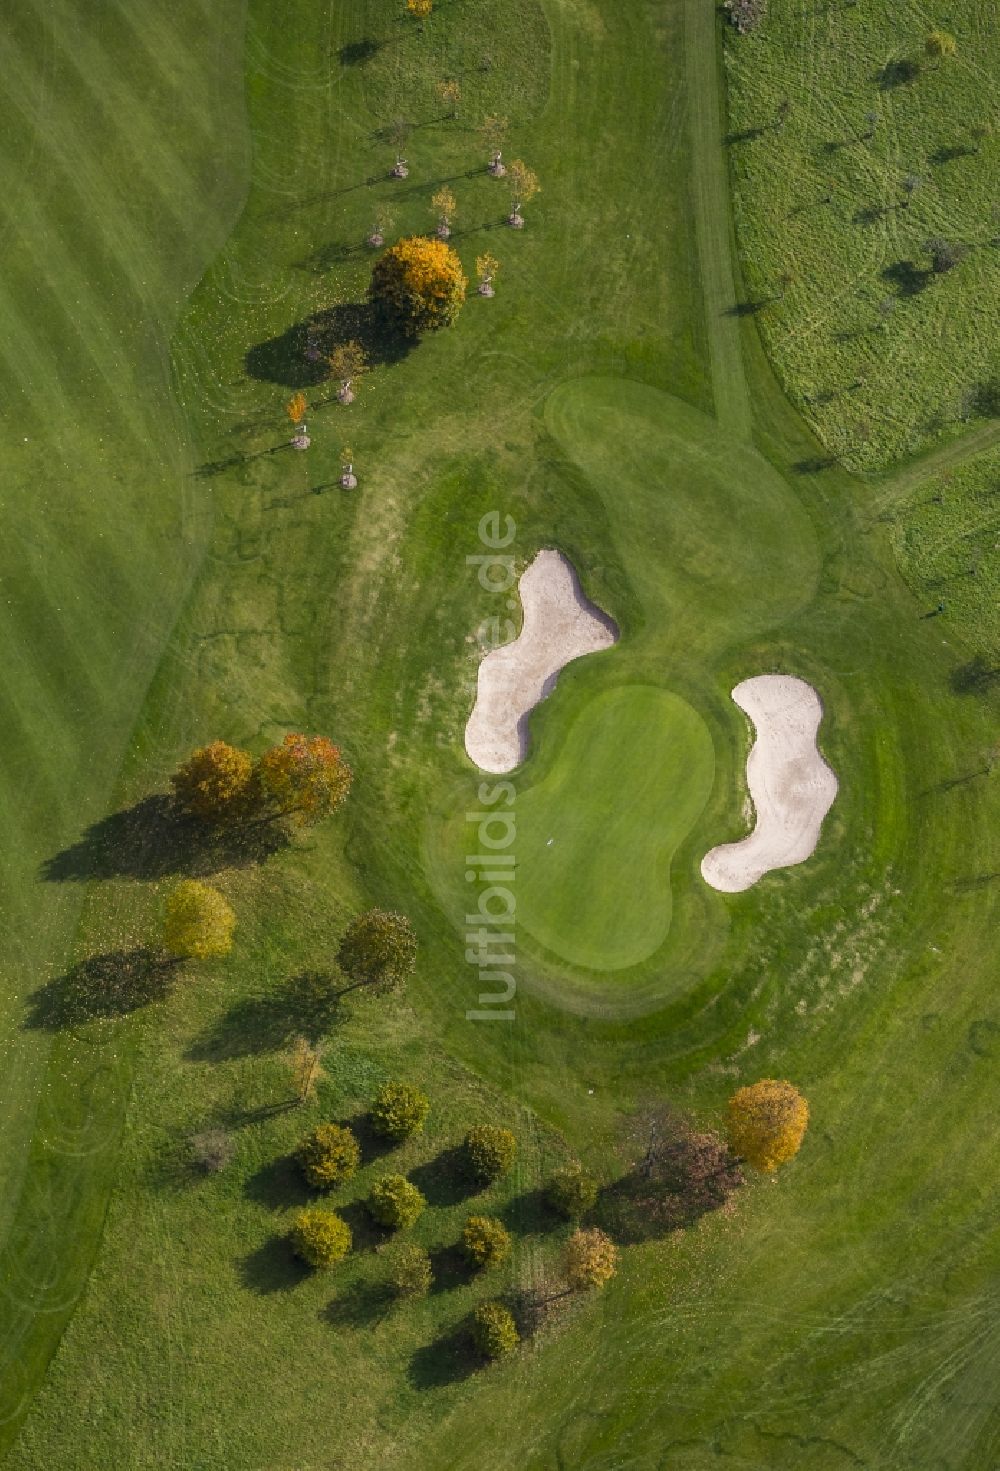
{"x": 610, "y": 401}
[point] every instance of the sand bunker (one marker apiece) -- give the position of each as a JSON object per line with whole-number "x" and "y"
{"x": 560, "y": 624}
{"x": 791, "y": 786}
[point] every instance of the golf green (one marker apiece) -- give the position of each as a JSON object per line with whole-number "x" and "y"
{"x": 597, "y": 834}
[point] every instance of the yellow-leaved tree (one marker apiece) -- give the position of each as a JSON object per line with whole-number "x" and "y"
{"x": 304, "y": 779}
{"x": 591, "y": 1259}
{"x": 419, "y": 285}
{"x": 767, "y": 1122}
{"x": 198, "y": 923}
{"x": 213, "y": 784}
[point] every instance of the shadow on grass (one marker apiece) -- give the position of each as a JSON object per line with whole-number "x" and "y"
{"x": 977, "y": 677}
{"x": 451, "y": 1268}
{"x": 900, "y": 72}
{"x": 814, "y": 464}
{"x": 280, "y": 1184}
{"x": 373, "y": 1146}
{"x": 908, "y": 278}
{"x": 102, "y": 986}
{"x": 448, "y": 1360}
{"x": 366, "y": 1232}
{"x": 744, "y": 308}
{"x": 445, "y": 1179}
{"x": 153, "y": 840}
{"x": 528, "y": 1214}
{"x": 297, "y": 358}
{"x": 307, "y": 1006}
{"x": 358, "y": 1306}
{"x": 686, "y": 1174}
{"x": 273, "y": 1267}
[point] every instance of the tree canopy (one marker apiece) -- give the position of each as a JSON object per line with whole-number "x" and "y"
{"x": 214, "y": 783}
{"x": 419, "y": 285}
{"x": 767, "y": 1122}
{"x": 198, "y": 923}
{"x": 378, "y": 949}
{"x": 591, "y": 1259}
{"x": 305, "y": 778}
{"x": 320, "y": 1237}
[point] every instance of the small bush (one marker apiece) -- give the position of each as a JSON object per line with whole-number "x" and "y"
{"x": 746, "y": 15}
{"x": 211, "y": 1151}
{"x": 328, "y": 1156}
{"x": 320, "y": 1237}
{"x": 591, "y": 1259}
{"x": 494, "y": 1331}
{"x": 399, "y": 1110}
{"x": 485, "y": 1241}
{"x": 395, "y": 1203}
{"x": 571, "y": 1192}
{"x": 409, "y": 1269}
{"x": 491, "y": 1152}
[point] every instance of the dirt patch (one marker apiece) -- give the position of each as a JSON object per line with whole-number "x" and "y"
{"x": 560, "y": 624}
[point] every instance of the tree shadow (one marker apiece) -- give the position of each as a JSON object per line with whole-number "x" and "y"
{"x": 154, "y": 839}
{"x": 977, "y": 677}
{"x": 307, "y": 1005}
{"x": 445, "y": 1180}
{"x": 373, "y": 1145}
{"x": 908, "y": 278}
{"x": 900, "y": 72}
{"x": 358, "y": 1306}
{"x": 949, "y": 155}
{"x": 748, "y": 135}
{"x": 744, "y": 308}
{"x": 273, "y": 1267}
{"x": 450, "y": 1359}
{"x": 685, "y": 1174}
{"x": 365, "y": 1230}
{"x": 451, "y": 1267}
{"x": 280, "y": 1184}
{"x": 529, "y": 1214}
{"x": 102, "y": 986}
{"x": 814, "y": 464}
{"x": 356, "y": 53}
{"x": 297, "y": 358}
{"x": 870, "y": 214}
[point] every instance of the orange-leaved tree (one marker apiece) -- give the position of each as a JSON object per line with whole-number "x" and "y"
{"x": 296, "y": 407}
{"x": 421, "y": 9}
{"x": 419, "y": 285}
{"x": 305, "y": 779}
{"x": 767, "y": 1122}
{"x": 214, "y": 782}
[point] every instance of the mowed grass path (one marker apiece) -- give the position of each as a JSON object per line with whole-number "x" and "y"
{"x": 122, "y": 163}
{"x": 843, "y": 1316}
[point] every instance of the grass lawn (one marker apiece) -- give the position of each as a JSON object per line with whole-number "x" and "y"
{"x": 843, "y": 168}
{"x": 841, "y": 1316}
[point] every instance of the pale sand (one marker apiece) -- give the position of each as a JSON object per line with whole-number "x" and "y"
{"x": 560, "y": 624}
{"x": 791, "y": 786}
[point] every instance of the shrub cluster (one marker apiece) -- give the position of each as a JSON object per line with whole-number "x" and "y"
{"x": 395, "y": 1203}
{"x": 494, "y": 1331}
{"x": 485, "y": 1241}
{"x": 409, "y": 1269}
{"x": 399, "y": 1110}
{"x": 571, "y": 1192}
{"x": 328, "y": 1156}
{"x": 320, "y": 1237}
{"x": 490, "y": 1151}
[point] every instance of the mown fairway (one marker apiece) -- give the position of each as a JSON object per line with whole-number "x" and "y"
{"x": 841, "y": 1317}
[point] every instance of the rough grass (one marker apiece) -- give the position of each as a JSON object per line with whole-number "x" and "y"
{"x": 880, "y": 355}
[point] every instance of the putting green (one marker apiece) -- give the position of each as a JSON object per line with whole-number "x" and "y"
{"x": 596, "y": 836}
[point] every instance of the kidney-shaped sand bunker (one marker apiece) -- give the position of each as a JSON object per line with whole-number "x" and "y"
{"x": 791, "y": 786}
{"x": 560, "y": 625}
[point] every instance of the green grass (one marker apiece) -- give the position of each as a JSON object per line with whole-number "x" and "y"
{"x": 593, "y": 886}
{"x": 840, "y": 1316}
{"x": 875, "y": 387}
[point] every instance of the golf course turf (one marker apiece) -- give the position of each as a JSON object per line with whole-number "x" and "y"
{"x": 611, "y": 404}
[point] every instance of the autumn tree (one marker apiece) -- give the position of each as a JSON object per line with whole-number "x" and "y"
{"x": 485, "y": 1241}
{"x": 418, "y": 285}
{"x": 945, "y": 255}
{"x": 493, "y": 132}
{"x": 347, "y": 361}
{"x": 494, "y": 1331}
{"x": 490, "y": 1152}
{"x": 409, "y": 1272}
{"x": 767, "y": 1122}
{"x": 214, "y": 783}
{"x": 591, "y": 1259}
{"x": 198, "y": 923}
{"x": 296, "y": 407}
{"x": 304, "y": 779}
{"x": 571, "y": 1192}
{"x": 320, "y": 1237}
{"x": 444, "y": 205}
{"x": 524, "y": 186}
{"x": 420, "y": 9}
{"x": 487, "y": 267}
{"x": 328, "y": 1156}
{"x": 395, "y": 1202}
{"x": 939, "y": 45}
{"x": 399, "y": 1111}
{"x": 378, "y": 950}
